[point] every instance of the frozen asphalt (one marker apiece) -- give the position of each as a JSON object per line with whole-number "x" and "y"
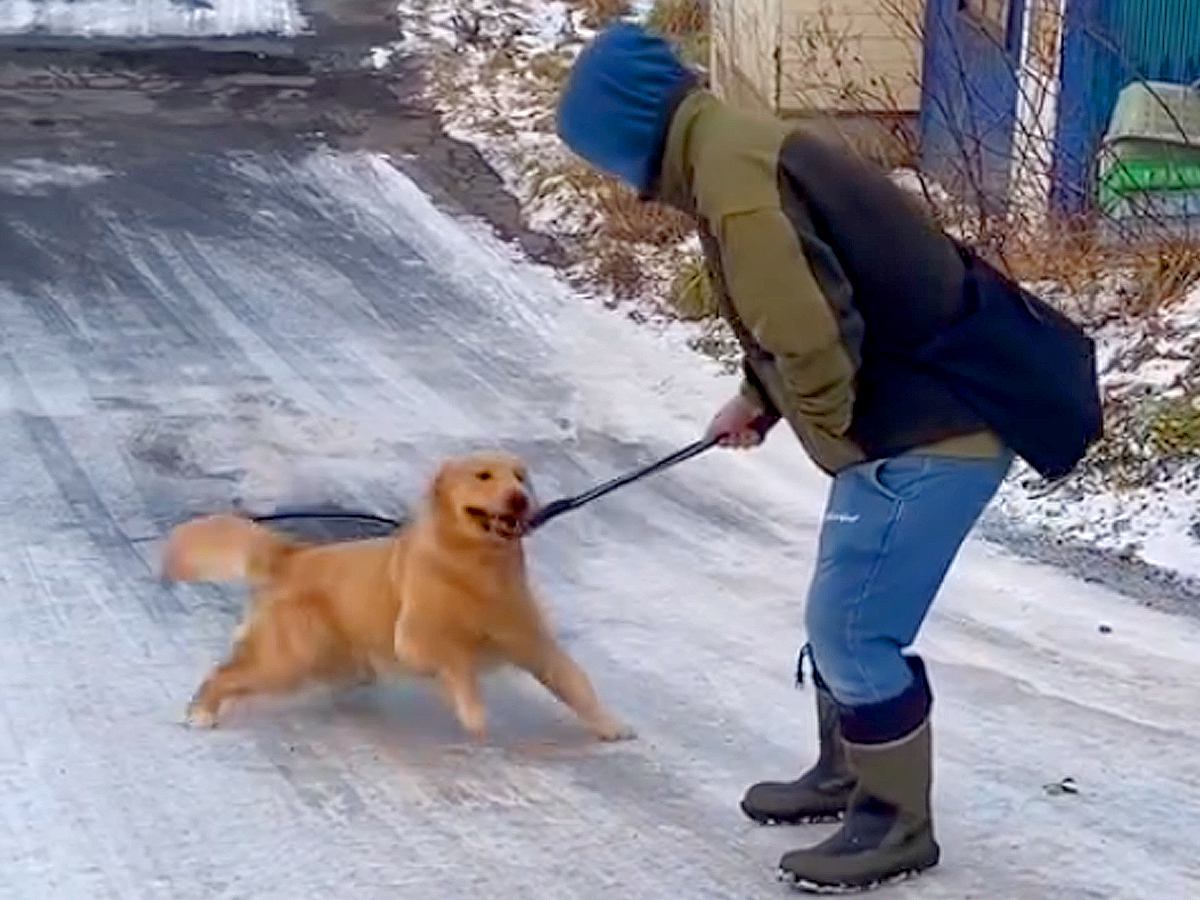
{"x": 200, "y": 309}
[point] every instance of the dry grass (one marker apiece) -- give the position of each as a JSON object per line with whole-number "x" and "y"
{"x": 678, "y": 18}
{"x": 598, "y": 13}
{"x": 546, "y": 73}
{"x": 692, "y": 296}
{"x": 1175, "y": 428}
{"x": 620, "y": 215}
{"x": 627, "y": 218}
{"x": 1166, "y": 273}
{"x": 687, "y": 23}
{"x": 616, "y": 268}
{"x": 550, "y": 67}
{"x": 620, "y": 230}
{"x": 1150, "y": 275}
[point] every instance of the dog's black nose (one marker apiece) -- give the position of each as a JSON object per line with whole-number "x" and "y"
{"x": 518, "y": 502}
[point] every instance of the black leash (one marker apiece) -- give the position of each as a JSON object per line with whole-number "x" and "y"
{"x": 556, "y": 508}
{"x": 551, "y": 510}
{"x": 351, "y": 517}
{"x": 566, "y": 504}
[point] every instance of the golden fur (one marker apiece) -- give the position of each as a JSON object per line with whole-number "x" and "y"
{"x": 447, "y": 597}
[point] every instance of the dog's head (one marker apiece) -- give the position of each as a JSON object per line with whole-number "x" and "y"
{"x": 485, "y": 496}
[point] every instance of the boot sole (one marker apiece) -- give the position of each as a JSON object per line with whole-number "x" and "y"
{"x": 813, "y": 887}
{"x": 772, "y": 821}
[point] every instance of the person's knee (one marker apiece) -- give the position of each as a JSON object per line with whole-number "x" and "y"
{"x": 854, "y": 669}
{"x": 881, "y": 694}
{"x": 833, "y": 647}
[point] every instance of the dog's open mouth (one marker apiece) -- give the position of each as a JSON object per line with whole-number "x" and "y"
{"x": 504, "y": 525}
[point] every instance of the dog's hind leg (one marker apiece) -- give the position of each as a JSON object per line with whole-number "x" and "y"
{"x": 563, "y": 677}
{"x": 239, "y": 677}
{"x": 271, "y": 656}
{"x": 235, "y": 678}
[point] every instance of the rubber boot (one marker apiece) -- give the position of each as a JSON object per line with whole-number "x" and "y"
{"x": 887, "y": 833}
{"x": 821, "y": 793}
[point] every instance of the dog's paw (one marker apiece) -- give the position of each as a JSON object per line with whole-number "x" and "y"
{"x": 474, "y": 725}
{"x": 199, "y": 718}
{"x": 612, "y": 730}
{"x": 478, "y": 733}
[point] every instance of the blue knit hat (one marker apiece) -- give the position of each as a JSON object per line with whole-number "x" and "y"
{"x": 617, "y": 105}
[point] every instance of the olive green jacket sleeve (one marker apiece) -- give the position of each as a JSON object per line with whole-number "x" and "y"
{"x": 780, "y": 302}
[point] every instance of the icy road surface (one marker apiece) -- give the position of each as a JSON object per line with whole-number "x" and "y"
{"x": 186, "y": 332}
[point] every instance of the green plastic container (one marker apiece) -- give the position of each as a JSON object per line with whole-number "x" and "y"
{"x": 1152, "y": 146}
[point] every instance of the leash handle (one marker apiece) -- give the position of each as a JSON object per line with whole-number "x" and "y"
{"x": 556, "y": 508}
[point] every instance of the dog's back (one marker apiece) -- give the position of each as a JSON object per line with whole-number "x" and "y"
{"x": 347, "y": 583}
{"x": 354, "y": 585}
{"x": 319, "y": 613}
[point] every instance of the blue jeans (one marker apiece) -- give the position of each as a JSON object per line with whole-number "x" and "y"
{"x": 892, "y": 528}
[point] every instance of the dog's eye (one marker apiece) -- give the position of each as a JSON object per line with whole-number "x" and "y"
{"x": 522, "y": 477}
{"x": 484, "y": 476}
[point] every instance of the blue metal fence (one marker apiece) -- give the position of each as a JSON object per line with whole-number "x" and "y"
{"x": 968, "y": 108}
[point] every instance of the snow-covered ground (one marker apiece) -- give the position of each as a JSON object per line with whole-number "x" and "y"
{"x": 150, "y": 18}
{"x": 499, "y": 65}
{"x": 1149, "y": 363}
{"x": 269, "y": 330}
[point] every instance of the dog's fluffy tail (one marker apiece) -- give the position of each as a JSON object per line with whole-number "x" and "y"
{"x": 224, "y": 548}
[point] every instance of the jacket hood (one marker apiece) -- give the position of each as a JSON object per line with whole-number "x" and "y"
{"x": 616, "y": 108}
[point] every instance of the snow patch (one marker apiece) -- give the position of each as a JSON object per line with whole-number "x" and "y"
{"x": 35, "y": 176}
{"x": 381, "y": 57}
{"x": 151, "y": 18}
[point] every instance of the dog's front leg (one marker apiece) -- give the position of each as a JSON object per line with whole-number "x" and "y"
{"x": 563, "y": 677}
{"x": 410, "y": 649}
{"x": 460, "y": 682}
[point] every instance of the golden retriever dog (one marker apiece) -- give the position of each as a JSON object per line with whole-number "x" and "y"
{"x": 447, "y": 597}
